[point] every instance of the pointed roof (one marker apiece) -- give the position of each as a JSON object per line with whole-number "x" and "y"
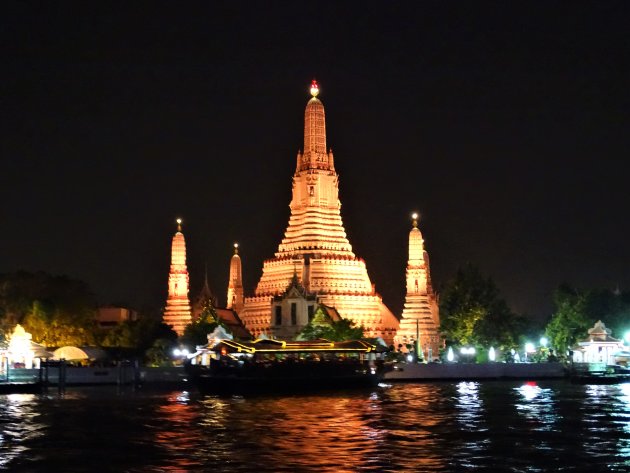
{"x": 206, "y": 294}
{"x": 178, "y": 247}
{"x": 600, "y": 333}
{"x": 295, "y": 286}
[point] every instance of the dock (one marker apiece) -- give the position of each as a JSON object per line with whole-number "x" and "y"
{"x": 473, "y": 371}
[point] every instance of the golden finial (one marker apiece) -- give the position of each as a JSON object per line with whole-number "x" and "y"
{"x": 179, "y": 224}
{"x": 314, "y": 88}
{"x": 415, "y": 217}
{"x": 236, "y": 248}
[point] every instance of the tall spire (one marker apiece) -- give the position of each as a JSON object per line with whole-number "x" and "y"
{"x": 420, "y": 317}
{"x": 178, "y": 313}
{"x": 315, "y": 124}
{"x": 315, "y": 248}
{"x": 416, "y": 245}
{"x": 235, "y": 284}
{"x": 315, "y": 155}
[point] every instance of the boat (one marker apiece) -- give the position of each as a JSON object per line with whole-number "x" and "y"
{"x": 611, "y": 375}
{"x": 273, "y": 366}
{"x": 604, "y": 378}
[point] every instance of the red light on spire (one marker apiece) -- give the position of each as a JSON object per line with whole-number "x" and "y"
{"x": 314, "y": 88}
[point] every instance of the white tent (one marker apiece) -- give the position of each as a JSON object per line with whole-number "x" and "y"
{"x": 71, "y": 353}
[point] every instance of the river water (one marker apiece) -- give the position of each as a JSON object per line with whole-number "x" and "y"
{"x": 449, "y": 427}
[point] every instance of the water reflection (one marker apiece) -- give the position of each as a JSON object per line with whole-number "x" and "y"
{"x": 469, "y": 405}
{"x": 402, "y": 428}
{"x": 20, "y": 425}
{"x": 537, "y": 406}
{"x": 607, "y": 406}
{"x": 173, "y": 433}
{"x": 622, "y": 419}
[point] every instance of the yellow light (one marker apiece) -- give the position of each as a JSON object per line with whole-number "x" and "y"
{"x": 179, "y": 221}
{"x": 235, "y": 245}
{"x": 414, "y": 216}
{"x": 314, "y": 88}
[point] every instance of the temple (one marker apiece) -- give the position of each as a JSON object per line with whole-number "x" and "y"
{"x": 177, "y": 313}
{"x": 420, "y": 321}
{"x": 235, "y": 284}
{"x": 315, "y": 265}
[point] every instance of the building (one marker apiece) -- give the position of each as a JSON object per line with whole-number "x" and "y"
{"x": 598, "y": 347}
{"x": 177, "y": 313}
{"x": 111, "y": 316}
{"x": 315, "y": 263}
{"x": 235, "y": 293}
{"x": 420, "y": 318}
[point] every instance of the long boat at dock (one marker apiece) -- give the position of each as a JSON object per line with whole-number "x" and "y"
{"x": 265, "y": 366}
{"x": 20, "y": 388}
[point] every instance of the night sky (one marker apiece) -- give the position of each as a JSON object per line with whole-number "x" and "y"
{"x": 505, "y": 124}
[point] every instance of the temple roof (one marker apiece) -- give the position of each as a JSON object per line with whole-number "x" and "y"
{"x": 233, "y": 322}
{"x": 599, "y": 333}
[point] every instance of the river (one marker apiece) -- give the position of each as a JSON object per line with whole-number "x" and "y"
{"x": 432, "y": 427}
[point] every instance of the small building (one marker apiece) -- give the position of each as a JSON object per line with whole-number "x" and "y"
{"x": 110, "y": 316}
{"x": 21, "y": 351}
{"x": 599, "y": 347}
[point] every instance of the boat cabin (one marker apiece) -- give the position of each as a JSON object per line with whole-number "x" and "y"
{"x": 266, "y": 350}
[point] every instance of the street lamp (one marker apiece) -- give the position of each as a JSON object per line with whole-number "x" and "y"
{"x": 450, "y": 356}
{"x": 468, "y": 351}
{"x": 529, "y": 348}
{"x": 492, "y": 356}
{"x": 544, "y": 342}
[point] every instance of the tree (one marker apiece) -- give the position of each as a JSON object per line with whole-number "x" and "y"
{"x": 159, "y": 355}
{"x": 611, "y": 307}
{"x": 137, "y": 334}
{"x": 473, "y": 313}
{"x": 577, "y": 310}
{"x": 56, "y": 310}
{"x": 196, "y": 333}
{"x": 322, "y": 326}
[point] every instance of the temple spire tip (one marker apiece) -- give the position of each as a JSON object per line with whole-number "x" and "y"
{"x": 414, "y": 218}
{"x": 179, "y": 224}
{"x": 235, "y": 248}
{"x": 314, "y": 88}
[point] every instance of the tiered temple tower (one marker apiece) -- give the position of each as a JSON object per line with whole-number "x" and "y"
{"x": 420, "y": 318}
{"x": 235, "y": 284}
{"x": 178, "y": 313}
{"x": 315, "y": 247}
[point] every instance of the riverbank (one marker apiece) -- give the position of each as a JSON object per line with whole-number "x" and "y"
{"x": 126, "y": 374}
{"x": 473, "y": 371}
{"x": 21, "y": 379}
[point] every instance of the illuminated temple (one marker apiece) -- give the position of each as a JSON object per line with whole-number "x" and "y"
{"x": 420, "y": 319}
{"x": 315, "y": 266}
{"x": 177, "y": 313}
{"x": 235, "y": 284}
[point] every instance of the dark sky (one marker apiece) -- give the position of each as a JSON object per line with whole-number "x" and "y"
{"x": 506, "y": 124}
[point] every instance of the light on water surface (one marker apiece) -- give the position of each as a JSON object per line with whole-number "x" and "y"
{"x": 428, "y": 427}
